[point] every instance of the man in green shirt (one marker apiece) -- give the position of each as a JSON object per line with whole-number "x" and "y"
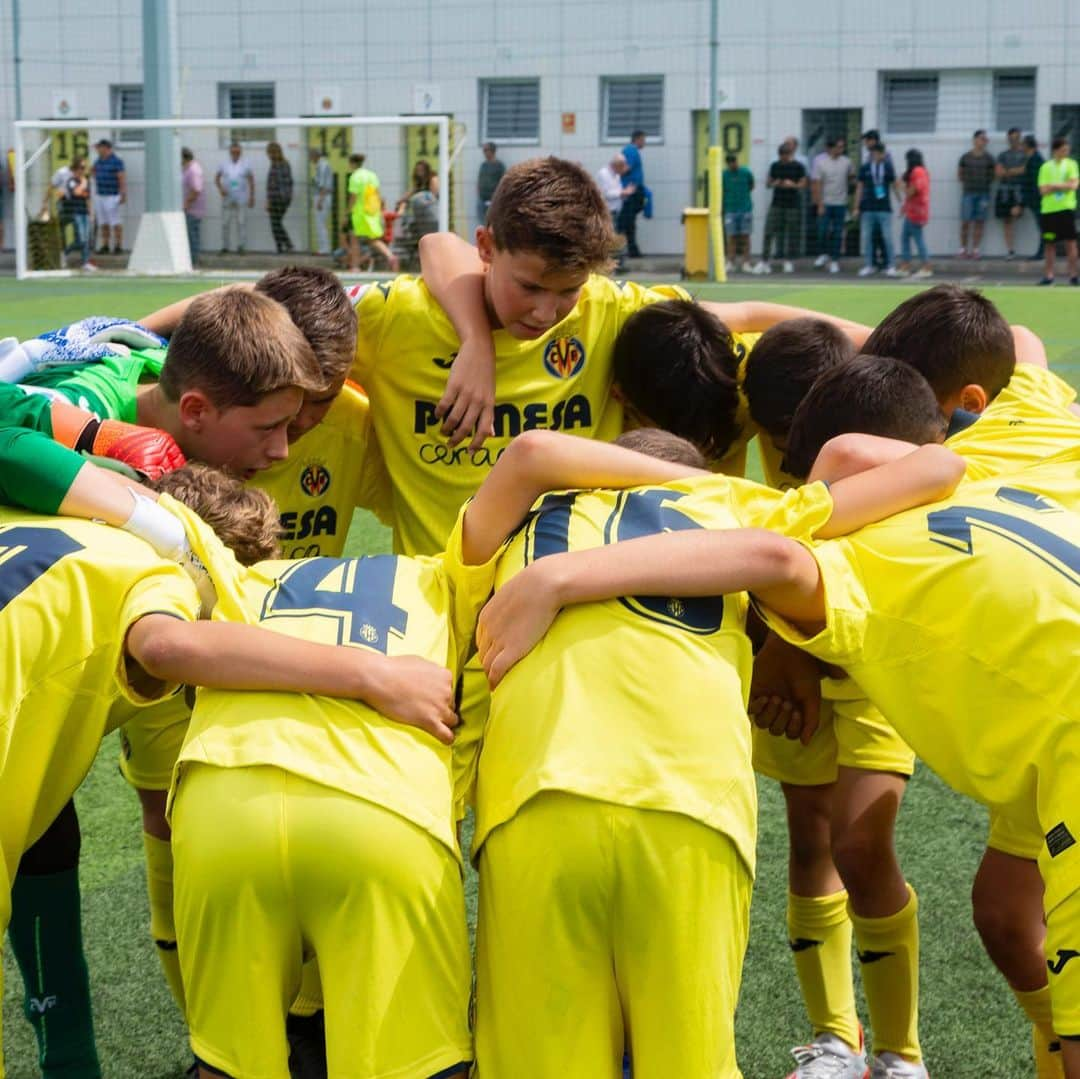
{"x": 365, "y": 211}
{"x": 738, "y": 212}
{"x": 1058, "y": 180}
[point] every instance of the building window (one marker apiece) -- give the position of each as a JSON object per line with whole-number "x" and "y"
{"x": 1065, "y": 121}
{"x": 1014, "y": 100}
{"x": 910, "y": 103}
{"x": 126, "y": 103}
{"x": 632, "y": 104}
{"x": 247, "y": 101}
{"x": 510, "y": 110}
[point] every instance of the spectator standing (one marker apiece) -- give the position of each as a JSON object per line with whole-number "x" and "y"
{"x": 633, "y": 183}
{"x": 869, "y": 139}
{"x": 279, "y": 192}
{"x": 1032, "y": 199}
{"x": 1009, "y": 201}
{"x": 322, "y": 197}
{"x": 609, "y": 180}
{"x": 236, "y": 182}
{"x": 916, "y": 213}
{"x": 365, "y": 209}
{"x": 491, "y": 172}
{"x": 873, "y": 207}
{"x": 193, "y": 190}
{"x": 738, "y": 209}
{"x": 787, "y": 177}
{"x": 74, "y": 209}
{"x": 110, "y": 180}
{"x": 418, "y": 214}
{"x": 830, "y": 182}
{"x": 976, "y": 174}
{"x": 1058, "y": 180}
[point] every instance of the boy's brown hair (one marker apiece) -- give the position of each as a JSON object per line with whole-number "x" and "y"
{"x": 785, "y": 363}
{"x": 955, "y": 337}
{"x": 675, "y": 363}
{"x": 318, "y": 304}
{"x": 236, "y": 347}
{"x": 662, "y": 445}
{"x": 553, "y": 208}
{"x": 244, "y": 518}
{"x": 868, "y": 395}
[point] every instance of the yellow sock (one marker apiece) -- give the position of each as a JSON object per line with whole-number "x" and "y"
{"x": 1036, "y": 1005}
{"x": 310, "y": 997}
{"x": 819, "y": 932}
{"x": 889, "y": 953}
{"x": 159, "y": 886}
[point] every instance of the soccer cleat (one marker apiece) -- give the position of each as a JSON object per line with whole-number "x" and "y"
{"x": 828, "y": 1057}
{"x": 867, "y": 271}
{"x": 820, "y": 261}
{"x": 891, "y": 1066}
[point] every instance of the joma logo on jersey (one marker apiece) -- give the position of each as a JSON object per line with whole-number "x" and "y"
{"x": 315, "y": 480}
{"x": 564, "y": 357}
{"x": 509, "y": 420}
{"x": 320, "y": 522}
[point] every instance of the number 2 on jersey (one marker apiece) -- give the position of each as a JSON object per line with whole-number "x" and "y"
{"x": 358, "y": 593}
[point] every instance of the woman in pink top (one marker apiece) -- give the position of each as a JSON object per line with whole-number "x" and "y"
{"x": 916, "y": 213}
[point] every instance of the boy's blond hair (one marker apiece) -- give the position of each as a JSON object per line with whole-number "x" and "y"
{"x": 237, "y": 346}
{"x": 552, "y": 208}
{"x": 244, "y": 518}
{"x": 318, "y": 304}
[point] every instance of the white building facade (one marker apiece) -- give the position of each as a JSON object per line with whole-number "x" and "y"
{"x": 571, "y": 78}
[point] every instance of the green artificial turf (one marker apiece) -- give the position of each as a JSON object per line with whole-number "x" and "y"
{"x": 971, "y": 1027}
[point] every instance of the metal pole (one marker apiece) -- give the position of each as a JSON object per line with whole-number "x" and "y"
{"x": 16, "y": 47}
{"x": 714, "y": 89}
{"x": 159, "y": 78}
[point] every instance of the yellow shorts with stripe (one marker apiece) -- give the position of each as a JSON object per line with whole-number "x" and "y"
{"x": 271, "y": 869}
{"x": 852, "y": 733}
{"x": 602, "y": 927}
{"x": 150, "y": 741}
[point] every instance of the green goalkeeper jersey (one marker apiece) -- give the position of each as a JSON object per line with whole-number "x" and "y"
{"x": 106, "y": 387}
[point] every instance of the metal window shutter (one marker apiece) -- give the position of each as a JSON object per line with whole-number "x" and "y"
{"x": 911, "y": 103}
{"x": 634, "y": 104}
{"x": 1014, "y": 101}
{"x": 512, "y": 110}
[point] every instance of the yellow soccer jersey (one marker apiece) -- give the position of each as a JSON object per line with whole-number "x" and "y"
{"x": 1027, "y": 422}
{"x": 636, "y": 701}
{"x": 561, "y": 381}
{"x": 961, "y": 622}
{"x": 398, "y": 606}
{"x": 330, "y": 471}
{"x": 69, "y": 592}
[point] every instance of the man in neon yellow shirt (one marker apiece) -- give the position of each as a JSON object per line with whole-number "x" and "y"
{"x": 1058, "y": 180}
{"x": 365, "y": 211}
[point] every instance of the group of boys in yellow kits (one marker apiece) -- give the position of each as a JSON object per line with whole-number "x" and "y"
{"x": 301, "y": 819}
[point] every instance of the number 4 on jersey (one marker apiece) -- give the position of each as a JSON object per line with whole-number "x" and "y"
{"x": 358, "y": 593}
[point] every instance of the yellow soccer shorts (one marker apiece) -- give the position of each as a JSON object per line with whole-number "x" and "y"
{"x": 150, "y": 741}
{"x": 1011, "y": 835}
{"x": 852, "y": 733}
{"x": 271, "y": 869}
{"x": 1063, "y": 963}
{"x": 604, "y": 927}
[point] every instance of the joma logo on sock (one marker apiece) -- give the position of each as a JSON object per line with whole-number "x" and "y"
{"x": 42, "y": 1004}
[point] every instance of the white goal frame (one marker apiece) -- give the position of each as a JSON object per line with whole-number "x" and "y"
{"x": 23, "y": 158}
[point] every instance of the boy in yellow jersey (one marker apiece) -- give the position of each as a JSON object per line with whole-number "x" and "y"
{"x": 384, "y": 914}
{"x": 1027, "y": 422}
{"x": 66, "y": 663}
{"x": 651, "y": 867}
{"x": 996, "y": 719}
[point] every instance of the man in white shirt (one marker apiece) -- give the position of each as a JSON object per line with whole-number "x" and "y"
{"x": 236, "y": 182}
{"x": 322, "y": 197}
{"x": 829, "y": 184}
{"x": 609, "y": 180}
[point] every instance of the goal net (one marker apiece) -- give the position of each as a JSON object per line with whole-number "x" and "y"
{"x": 274, "y": 190}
